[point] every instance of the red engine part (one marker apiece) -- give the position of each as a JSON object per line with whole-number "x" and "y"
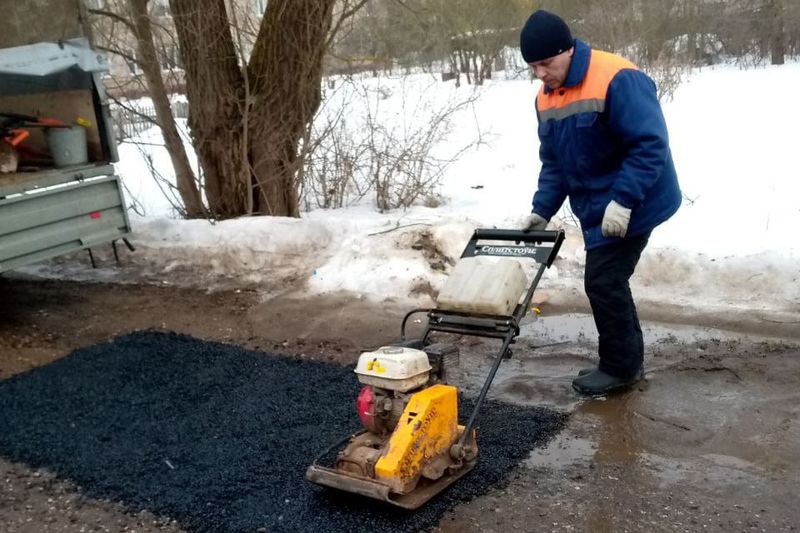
{"x": 365, "y": 403}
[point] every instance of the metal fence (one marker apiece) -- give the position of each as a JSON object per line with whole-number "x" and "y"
{"x": 132, "y": 119}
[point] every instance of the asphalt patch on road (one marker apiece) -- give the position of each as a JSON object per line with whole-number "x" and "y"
{"x": 219, "y": 437}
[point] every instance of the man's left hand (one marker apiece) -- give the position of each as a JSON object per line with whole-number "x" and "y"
{"x": 615, "y": 220}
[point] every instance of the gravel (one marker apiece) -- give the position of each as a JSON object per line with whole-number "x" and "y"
{"x": 218, "y": 437}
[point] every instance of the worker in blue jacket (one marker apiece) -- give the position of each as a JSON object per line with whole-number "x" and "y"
{"x": 603, "y": 143}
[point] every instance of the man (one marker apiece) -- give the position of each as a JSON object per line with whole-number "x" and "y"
{"x": 603, "y": 144}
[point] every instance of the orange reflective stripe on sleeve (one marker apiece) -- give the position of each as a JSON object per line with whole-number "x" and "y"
{"x": 589, "y": 95}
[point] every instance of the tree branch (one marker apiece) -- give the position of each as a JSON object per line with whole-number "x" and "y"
{"x": 352, "y": 11}
{"x": 118, "y": 52}
{"x": 344, "y": 16}
{"x": 133, "y": 110}
{"x": 114, "y": 16}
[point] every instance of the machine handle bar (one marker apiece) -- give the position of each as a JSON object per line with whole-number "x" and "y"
{"x": 542, "y": 254}
{"x": 528, "y": 236}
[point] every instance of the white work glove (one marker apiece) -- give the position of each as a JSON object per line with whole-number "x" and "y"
{"x": 533, "y": 222}
{"x": 615, "y": 220}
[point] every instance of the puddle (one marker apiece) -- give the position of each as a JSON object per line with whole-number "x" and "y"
{"x": 711, "y": 432}
{"x": 613, "y": 427}
{"x": 563, "y": 451}
{"x": 712, "y": 413}
{"x": 549, "y": 352}
{"x": 605, "y": 430}
{"x": 532, "y": 381}
{"x": 580, "y": 328}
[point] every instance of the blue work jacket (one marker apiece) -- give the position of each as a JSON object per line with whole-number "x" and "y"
{"x": 603, "y": 137}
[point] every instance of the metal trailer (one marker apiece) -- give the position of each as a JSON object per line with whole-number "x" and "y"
{"x": 49, "y": 69}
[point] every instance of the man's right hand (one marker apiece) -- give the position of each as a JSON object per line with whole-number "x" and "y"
{"x": 533, "y": 222}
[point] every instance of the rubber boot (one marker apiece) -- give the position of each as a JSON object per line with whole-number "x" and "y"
{"x": 598, "y": 383}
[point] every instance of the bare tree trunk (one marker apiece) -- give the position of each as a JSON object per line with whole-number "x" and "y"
{"x": 148, "y": 61}
{"x": 464, "y": 60}
{"x": 215, "y": 90}
{"x": 285, "y": 73}
{"x": 777, "y": 45}
{"x": 453, "y": 59}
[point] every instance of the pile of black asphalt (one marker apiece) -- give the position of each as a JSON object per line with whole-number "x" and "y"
{"x": 219, "y": 437}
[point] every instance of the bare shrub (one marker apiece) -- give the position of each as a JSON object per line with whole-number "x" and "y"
{"x": 668, "y": 73}
{"x": 391, "y": 146}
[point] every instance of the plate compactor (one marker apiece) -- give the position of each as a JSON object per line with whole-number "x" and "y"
{"x": 412, "y": 446}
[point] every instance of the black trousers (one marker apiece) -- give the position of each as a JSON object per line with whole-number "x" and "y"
{"x": 608, "y": 270}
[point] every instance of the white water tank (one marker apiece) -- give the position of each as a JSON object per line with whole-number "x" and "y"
{"x": 484, "y": 284}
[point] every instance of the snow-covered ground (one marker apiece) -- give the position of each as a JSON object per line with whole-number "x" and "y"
{"x": 733, "y": 244}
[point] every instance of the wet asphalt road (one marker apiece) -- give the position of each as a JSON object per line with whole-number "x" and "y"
{"x": 219, "y": 437}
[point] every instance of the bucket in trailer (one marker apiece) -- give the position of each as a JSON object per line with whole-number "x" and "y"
{"x": 67, "y": 145}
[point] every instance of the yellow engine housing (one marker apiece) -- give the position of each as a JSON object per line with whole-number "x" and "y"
{"x": 425, "y": 432}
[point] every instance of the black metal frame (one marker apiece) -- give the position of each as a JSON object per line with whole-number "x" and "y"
{"x": 114, "y": 248}
{"x": 540, "y": 246}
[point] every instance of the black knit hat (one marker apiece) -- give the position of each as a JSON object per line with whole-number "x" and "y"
{"x": 544, "y": 35}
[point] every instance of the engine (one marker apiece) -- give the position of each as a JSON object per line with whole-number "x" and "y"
{"x": 379, "y": 409}
{"x": 392, "y": 374}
